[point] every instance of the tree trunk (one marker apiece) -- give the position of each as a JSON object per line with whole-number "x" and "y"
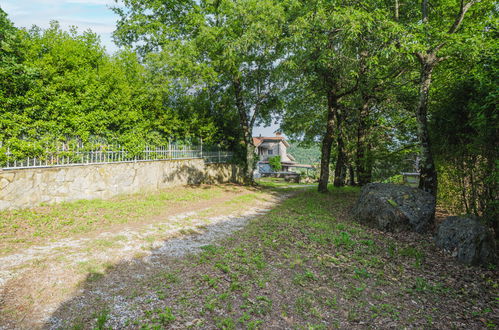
{"x": 340, "y": 169}
{"x": 351, "y": 172}
{"x": 250, "y": 163}
{"x": 244, "y": 121}
{"x": 362, "y": 153}
{"x": 428, "y": 173}
{"x": 327, "y": 143}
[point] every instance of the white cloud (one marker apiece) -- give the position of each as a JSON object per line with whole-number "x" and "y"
{"x": 85, "y": 14}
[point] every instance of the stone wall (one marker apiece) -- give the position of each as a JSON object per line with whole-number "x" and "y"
{"x": 29, "y": 187}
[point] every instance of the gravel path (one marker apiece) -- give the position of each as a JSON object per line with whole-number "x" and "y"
{"x": 60, "y": 272}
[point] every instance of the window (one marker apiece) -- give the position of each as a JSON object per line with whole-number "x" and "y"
{"x": 271, "y": 152}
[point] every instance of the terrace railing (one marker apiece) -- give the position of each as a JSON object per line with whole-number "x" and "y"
{"x": 79, "y": 155}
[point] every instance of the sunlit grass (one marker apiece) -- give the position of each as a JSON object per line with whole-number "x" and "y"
{"x": 28, "y": 226}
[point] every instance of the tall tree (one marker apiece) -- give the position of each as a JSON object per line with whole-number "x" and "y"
{"x": 230, "y": 46}
{"x": 337, "y": 50}
{"x": 434, "y": 32}
{"x": 322, "y": 58}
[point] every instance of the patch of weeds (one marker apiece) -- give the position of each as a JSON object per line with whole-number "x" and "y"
{"x": 253, "y": 324}
{"x": 210, "y": 304}
{"x": 258, "y": 261}
{"x": 211, "y": 250}
{"x": 304, "y": 304}
{"x": 227, "y": 323}
{"x": 386, "y": 310}
{"x": 422, "y": 285}
{"x": 103, "y": 243}
{"x": 260, "y": 306}
{"x": 361, "y": 273}
{"x": 224, "y": 267}
{"x": 481, "y": 312}
{"x": 343, "y": 239}
{"x": 353, "y": 316}
{"x": 331, "y": 303}
{"x": 392, "y": 249}
{"x": 101, "y": 318}
{"x": 316, "y": 326}
{"x": 211, "y": 281}
{"x": 166, "y": 316}
{"x": 304, "y": 278}
{"x": 354, "y": 291}
{"x": 414, "y": 253}
{"x": 167, "y": 277}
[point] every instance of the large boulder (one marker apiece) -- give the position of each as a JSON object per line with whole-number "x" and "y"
{"x": 468, "y": 240}
{"x": 394, "y": 207}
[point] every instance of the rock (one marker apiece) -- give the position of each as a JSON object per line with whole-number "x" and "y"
{"x": 394, "y": 207}
{"x": 467, "y": 239}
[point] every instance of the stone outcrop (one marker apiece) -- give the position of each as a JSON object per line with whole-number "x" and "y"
{"x": 468, "y": 240}
{"x": 392, "y": 207}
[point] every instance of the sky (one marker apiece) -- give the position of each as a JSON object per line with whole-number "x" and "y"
{"x": 95, "y": 15}
{"x": 85, "y": 14}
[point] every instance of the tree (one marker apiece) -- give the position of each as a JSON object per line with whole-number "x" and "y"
{"x": 322, "y": 59}
{"x": 338, "y": 50}
{"x": 61, "y": 86}
{"x": 227, "y": 46}
{"x": 464, "y": 126}
{"x": 434, "y": 33}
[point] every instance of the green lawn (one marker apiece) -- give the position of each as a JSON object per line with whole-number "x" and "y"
{"x": 304, "y": 265}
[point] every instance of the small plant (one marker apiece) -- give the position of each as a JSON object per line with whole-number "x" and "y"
{"x": 102, "y": 318}
{"x": 305, "y": 277}
{"x": 275, "y": 163}
{"x": 166, "y": 317}
{"x": 361, "y": 273}
{"x": 343, "y": 239}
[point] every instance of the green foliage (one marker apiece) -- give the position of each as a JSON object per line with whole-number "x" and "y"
{"x": 464, "y": 127}
{"x": 223, "y": 52}
{"x": 62, "y": 87}
{"x": 306, "y": 154}
{"x": 275, "y": 163}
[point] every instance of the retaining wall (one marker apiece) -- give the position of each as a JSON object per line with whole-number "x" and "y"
{"x": 22, "y": 188}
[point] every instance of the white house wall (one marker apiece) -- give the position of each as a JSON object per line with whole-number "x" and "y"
{"x": 278, "y": 149}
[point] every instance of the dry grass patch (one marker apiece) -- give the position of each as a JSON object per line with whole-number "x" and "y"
{"x": 26, "y": 227}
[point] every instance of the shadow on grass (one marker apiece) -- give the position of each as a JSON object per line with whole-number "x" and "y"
{"x": 117, "y": 292}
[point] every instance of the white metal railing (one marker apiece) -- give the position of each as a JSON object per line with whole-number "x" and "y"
{"x": 219, "y": 156}
{"x": 66, "y": 156}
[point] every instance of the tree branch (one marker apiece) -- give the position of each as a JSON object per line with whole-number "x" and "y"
{"x": 350, "y": 91}
{"x": 462, "y": 11}
{"x": 424, "y": 11}
{"x": 397, "y": 6}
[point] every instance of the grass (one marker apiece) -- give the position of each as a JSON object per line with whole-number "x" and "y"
{"x": 306, "y": 265}
{"x": 25, "y": 227}
{"x": 277, "y": 183}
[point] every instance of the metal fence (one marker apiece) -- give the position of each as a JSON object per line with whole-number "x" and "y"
{"x": 79, "y": 155}
{"x": 211, "y": 157}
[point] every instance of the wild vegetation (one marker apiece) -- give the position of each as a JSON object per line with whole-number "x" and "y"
{"x": 305, "y": 264}
{"x": 365, "y": 89}
{"x": 383, "y": 86}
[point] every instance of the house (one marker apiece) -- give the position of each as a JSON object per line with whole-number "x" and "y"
{"x": 268, "y": 147}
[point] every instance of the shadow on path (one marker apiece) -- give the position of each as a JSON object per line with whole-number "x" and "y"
{"x": 117, "y": 294}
